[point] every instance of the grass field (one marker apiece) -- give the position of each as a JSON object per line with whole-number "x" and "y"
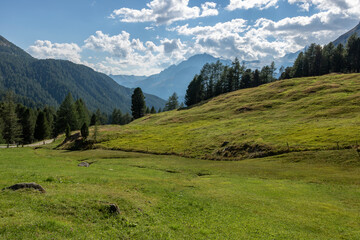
{"x": 307, "y": 189}
{"x": 304, "y": 114}
{"x": 309, "y": 195}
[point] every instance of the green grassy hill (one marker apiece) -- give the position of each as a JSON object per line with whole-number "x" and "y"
{"x": 299, "y": 114}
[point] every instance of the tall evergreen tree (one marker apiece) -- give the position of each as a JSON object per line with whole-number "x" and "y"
{"x": 353, "y": 53}
{"x": 338, "y": 60}
{"x": 28, "y": 126}
{"x": 42, "y": 129}
{"x": 82, "y": 112}
{"x": 246, "y": 79}
{"x": 11, "y": 126}
{"x": 93, "y": 119}
{"x": 138, "y": 103}
{"x": 84, "y": 130}
{"x": 66, "y": 115}
{"x": 195, "y": 92}
{"x": 256, "y": 78}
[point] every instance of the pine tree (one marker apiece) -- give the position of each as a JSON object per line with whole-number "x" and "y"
{"x": 93, "y": 119}
{"x": 116, "y": 116}
{"x": 28, "y": 126}
{"x": 84, "y": 130}
{"x": 42, "y": 130}
{"x": 147, "y": 111}
{"x": 338, "y": 60}
{"x": 66, "y": 115}
{"x": 11, "y": 126}
{"x": 172, "y": 103}
{"x": 256, "y": 78}
{"x": 353, "y": 53}
{"x": 152, "y": 111}
{"x": 82, "y": 112}
{"x": 195, "y": 91}
{"x": 138, "y": 103}
{"x": 246, "y": 79}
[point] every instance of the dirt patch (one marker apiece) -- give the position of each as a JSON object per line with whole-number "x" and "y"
{"x": 247, "y": 150}
{"x": 244, "y": 109}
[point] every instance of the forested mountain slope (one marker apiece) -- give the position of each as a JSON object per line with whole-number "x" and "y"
{"x": 47, "y": 82}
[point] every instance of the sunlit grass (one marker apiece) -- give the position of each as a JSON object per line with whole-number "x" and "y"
{"x": 312, "y": 195}
{"x": 307, "y": 113}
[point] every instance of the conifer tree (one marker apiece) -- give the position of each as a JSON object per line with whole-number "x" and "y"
{"x": 82, "y": 112}
{"x": 116, "y": 117}
{"x": 28, "y": 126}
{"x": 42, "y": 130}
{"x": 93, "y": 119}
{"x": 85, "y": 131}
{"x": 138, "y": 103}
{"x": 172, "y": 103}
{"x": 152, "y": 111}
{"x": 66, "y": 115}
{"x": 11, "y": 126}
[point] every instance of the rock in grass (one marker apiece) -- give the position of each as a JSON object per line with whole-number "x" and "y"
{"x": 113, "y": 209}
{"x": 84, "y": 164}
{"x": 26, "y": 185}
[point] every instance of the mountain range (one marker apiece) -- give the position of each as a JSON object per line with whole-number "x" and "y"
{"x": 46, "y": 82}
{"x": 343, "y": 38}
{"x": 175, "y": 78}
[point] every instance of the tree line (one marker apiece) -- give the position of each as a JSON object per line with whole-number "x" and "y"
{"x": 139, "y": 108}
{"x": 318, "y": 60}
{"x": 24, "y": 125}
{"x": 215, "y": 79}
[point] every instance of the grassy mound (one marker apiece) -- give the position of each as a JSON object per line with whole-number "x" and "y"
{"x": 292, "y": 115}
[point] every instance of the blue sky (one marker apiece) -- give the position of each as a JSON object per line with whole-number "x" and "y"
{"x": 144, "y": 37}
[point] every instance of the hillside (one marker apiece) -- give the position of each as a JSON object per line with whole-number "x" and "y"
{"x": 175, "y": 78}
{"x": 46, "y": 82}
{"x": 343, "y": 38}
{"x": 291, "y": 115}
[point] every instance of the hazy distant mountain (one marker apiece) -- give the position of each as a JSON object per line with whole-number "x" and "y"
{"x": 343, "y": 38}
{"x": 127, "y": 80}
{"x": 46, "y": 82}
{"x": 175, "y": 78}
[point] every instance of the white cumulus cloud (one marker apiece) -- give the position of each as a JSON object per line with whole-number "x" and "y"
{"x": 47, "y": 49}
{"x": 247, "y": 4}
{"x": 165, "y": 12}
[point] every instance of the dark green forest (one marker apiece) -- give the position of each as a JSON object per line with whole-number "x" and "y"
{"x": 215, "y": 79}
{"x": 318, "y": 60}
{"x": 21, "y": 125}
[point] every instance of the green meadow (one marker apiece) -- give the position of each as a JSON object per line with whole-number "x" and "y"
{"x": 313, "y": 113}
{"x": 294, "y": 171}
{"x": 310, "y": 195}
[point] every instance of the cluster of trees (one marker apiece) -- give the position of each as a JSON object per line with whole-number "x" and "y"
{"x": 139, "y": 108}
{"x": 317, "y": 60}
{"x": 215, "y": 79}
{"x": 24, "y": 125}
